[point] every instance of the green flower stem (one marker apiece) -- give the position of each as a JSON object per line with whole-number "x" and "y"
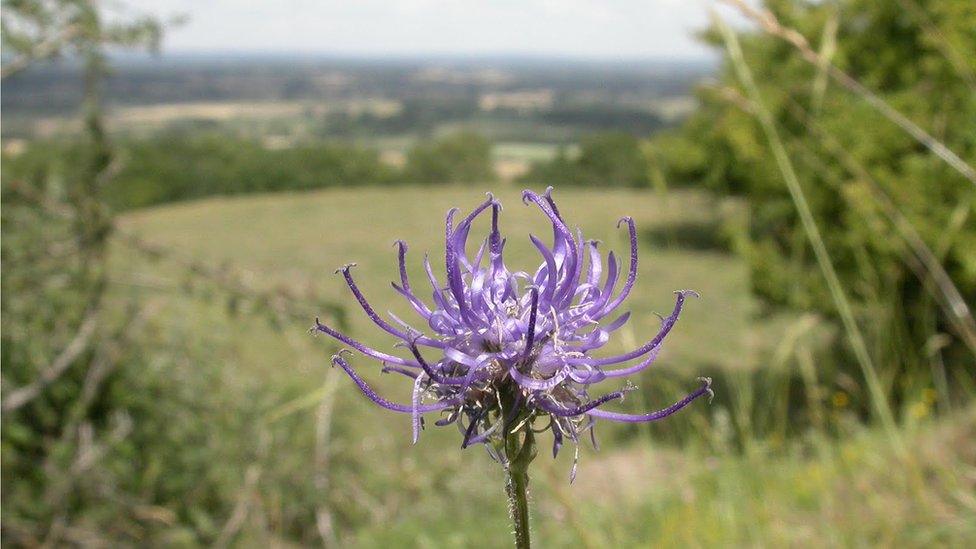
{"x": 517, "y": 483}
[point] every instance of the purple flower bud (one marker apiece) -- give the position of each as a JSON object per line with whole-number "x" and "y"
{"x": 513, "y": 350}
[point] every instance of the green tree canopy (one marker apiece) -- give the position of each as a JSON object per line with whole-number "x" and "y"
{"x": 860, "y": 172}
{"x": 461, "y": 157}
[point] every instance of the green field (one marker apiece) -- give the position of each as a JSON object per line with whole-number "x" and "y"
{"x": 382, "y": 492}
{"x": 301, "y": 239}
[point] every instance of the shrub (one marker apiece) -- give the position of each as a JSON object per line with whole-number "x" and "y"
{"x": 843, "y": 151}
{"x": 462, "y": 157}
{"x": 612, "y": 159}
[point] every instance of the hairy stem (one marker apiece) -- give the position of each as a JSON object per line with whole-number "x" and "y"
{"x": 520, "y": 454}
{"x": 517, "y": 487}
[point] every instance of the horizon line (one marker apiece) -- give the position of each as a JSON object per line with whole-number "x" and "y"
{"x": 417, "y": 56}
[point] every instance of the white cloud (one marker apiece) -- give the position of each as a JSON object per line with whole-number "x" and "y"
{"x": 588, "y": 28}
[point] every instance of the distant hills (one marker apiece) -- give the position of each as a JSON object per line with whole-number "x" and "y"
{"x": 53, "y": 88}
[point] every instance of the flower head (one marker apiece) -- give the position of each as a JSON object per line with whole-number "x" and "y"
{"x": 509, "y": 350}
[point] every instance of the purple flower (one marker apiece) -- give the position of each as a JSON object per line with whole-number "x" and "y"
{"x": 510, "y": 350}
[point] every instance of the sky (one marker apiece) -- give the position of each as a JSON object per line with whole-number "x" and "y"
{"x": 621, "y": 29}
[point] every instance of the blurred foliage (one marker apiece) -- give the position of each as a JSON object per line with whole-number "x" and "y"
{"x": 462, "y": 157}
{"x": 610, "y": 159}
{"x": 180, "y": 167}
{"x": 112, "y": 433}
{"x": 605, "y": 118}
{"x": 921, "y": 62}
{"x": 183, "y": 165}
{"x": 415, "y": 115}
{"x": 35, "y": 30}
{"x": 120, "y": 429}
{"x": 168, "y": 168}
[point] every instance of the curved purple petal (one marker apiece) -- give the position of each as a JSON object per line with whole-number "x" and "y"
{"x": 631, "y": 275}
{"x": 363, "y": 348}
{"x": 429, "y": 370}
{"x": 371, "y": 313}
{"x": 653, "y": 343}
{"x": 404, "y": 288}
{"x": 705, "y": 389}
{"x": 551, "y": 280}
{"x": 530, "y": 331}
{"x": 558, "y": 410}
{"x": 639, "y": 367}
{"x": 372, "y": 395}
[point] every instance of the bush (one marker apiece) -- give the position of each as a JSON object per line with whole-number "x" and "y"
{"x": 842, "y": 148}
{"x": 140, "y": 439}
{"x": 462, "y": 157}
{"x": 171, "y": 168}
{"x": 180, "y": 166}
{"x": 85, "y": 450}
{"x": 612, "y": 159}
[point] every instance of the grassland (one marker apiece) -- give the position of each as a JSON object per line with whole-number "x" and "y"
{"x": 849, "y": 489}
{"x": 300, "y": 239}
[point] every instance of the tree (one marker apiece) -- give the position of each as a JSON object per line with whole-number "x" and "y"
{"x": 462, "y": 157}
{"x": 610, "y": 159}
{"x": 55, "y": 327}
{"x": 893, "y": 214}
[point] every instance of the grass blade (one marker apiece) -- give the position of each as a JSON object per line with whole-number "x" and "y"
{"x": 878, "y": 398}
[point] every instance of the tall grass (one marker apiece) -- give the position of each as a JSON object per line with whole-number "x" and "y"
{"x": 878, "y": 396}
{"x": 769, "y": 23}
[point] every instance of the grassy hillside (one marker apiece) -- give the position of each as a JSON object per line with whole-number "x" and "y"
{"x": 302, "y": 238}
{"x": 380, "y": 491}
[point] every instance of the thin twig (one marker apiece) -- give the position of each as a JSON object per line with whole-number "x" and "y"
{"x": 812, "y": 231}
{"x": 43, "y": 50}
{"x": 106, "y": 359}
{"x": 923, "y": 261}
{"x": 280, "y": 300}
{"x": 241, "y": 509}
{"x": 828, "y": 47}
{"x": 89, "y": 451}
{"x": 62, "y": 480}
{"x": 79, "y": 343}
{"x": 959, "y": 313}
{"x": 324, "y": 523}
{"x": 769, "y": 23}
